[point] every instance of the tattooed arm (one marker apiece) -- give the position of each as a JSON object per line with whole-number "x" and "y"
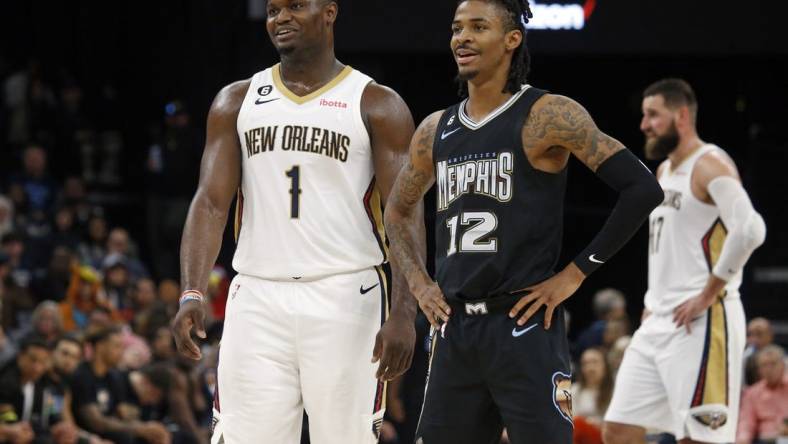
{"x": 559, "y": 123}
{"x": 403, "y": 223}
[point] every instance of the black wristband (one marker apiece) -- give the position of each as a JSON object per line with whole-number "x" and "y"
{"x": 639, "y": 193}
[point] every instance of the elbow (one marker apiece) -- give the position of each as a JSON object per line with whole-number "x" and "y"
{"x": 755, "y": 231}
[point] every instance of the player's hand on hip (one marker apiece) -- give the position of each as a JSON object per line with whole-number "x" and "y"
{"x": 548, "y": 293}
{"x": 687, "y": 312}
{"x": 394, "y": 347}
{"x": 433, "y": 304}
{"x": 191, "y": 314}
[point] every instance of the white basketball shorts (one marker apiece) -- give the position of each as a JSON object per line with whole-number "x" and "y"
{"x": 685, "y": 384}
{"x": 290, "y": 346}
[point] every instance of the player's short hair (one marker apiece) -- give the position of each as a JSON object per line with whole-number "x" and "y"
{"x": 676, "y": 92}
{"x": 518, "y": 14}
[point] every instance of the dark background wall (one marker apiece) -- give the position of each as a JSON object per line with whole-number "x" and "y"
{"x": 734, "y": 53}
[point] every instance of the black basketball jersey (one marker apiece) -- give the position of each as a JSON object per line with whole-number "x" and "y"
{"x": 499, "y": 221}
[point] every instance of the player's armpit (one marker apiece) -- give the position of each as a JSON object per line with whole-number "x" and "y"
{"x": 560, "y": 121}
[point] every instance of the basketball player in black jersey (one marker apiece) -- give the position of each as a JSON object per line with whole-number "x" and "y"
{"x": 498, "y": 159}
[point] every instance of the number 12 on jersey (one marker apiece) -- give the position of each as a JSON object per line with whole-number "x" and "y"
{"x": 482, "y": 223}
{"x": 295, "y": 190}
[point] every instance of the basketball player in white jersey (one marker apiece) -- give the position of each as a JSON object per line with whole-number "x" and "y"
{"x": 682, "y": 371}
{"x": 313, "y": 146}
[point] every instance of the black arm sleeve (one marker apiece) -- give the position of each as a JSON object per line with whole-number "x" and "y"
{"x": 638, "y": 194}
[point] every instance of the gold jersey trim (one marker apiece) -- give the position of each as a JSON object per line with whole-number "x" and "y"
{"x": 300, "y": 100}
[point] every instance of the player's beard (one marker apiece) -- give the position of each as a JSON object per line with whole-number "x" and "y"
{"x": 658, "y": 147}
{"x": 467, "y": 75}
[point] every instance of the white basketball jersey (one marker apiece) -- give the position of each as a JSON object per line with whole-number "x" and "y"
{"x": 308, "y": 206}
{"x": 685, "y": 240}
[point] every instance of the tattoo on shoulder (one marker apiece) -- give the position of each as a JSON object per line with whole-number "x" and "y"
{"x": 564, "y": 122}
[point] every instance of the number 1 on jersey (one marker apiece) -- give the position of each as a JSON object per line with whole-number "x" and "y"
{"x": 295, "y": 190}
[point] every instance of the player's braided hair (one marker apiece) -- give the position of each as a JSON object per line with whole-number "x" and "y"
{"x": 518, "y": 14}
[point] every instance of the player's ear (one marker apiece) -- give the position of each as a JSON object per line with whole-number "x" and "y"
{"x": 330, "y": 11}
{"x": 683, "y": 116}
{"x": 513, "y": 39}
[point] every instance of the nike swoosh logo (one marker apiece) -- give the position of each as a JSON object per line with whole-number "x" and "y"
{"x": 261, "y": 101}
{"x": 444, "y": 134}
{"x": 593, "y": 259}
{"x": 517, "y": 334}
{"x": 366, "y": 290}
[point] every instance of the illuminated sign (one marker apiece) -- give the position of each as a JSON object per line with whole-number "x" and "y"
{"x": 558, "y": 16}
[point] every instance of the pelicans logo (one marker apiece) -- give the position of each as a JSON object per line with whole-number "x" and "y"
{"x": 712, "y": 416}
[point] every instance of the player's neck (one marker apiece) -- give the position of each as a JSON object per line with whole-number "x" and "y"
{"x": 309, "y": 69}
{"x": 687, "y": 147}
{"x": 485, "y": 96}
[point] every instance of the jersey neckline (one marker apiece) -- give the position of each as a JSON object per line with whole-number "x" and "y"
{"x": 471, "y": 124}
{"x": 300, "y": 100}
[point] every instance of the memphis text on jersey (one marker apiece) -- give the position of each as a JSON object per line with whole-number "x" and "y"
{"x": 306, "y": 139}
{"x": 487, "y": 174}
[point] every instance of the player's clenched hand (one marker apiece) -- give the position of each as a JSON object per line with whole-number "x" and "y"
{"x": 548, "y": 293}
{"x": 687, "y": 312}
{"x": 394, "y": 347}
{"x": 433, "y": 303}
{"x": 191, "y": 314}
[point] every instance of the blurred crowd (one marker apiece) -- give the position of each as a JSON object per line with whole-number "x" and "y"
{"x": 86, "y": 353}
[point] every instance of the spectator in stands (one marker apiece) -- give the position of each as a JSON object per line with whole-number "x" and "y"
{"x": 6, "y": 216}
{"x": 93, "y": 249}
{"x": 15, "y": 302}
{"x": 64, "y": 234}
{"x": 609, "y": 304}
{"x": 759, "y": 335}
{"x": 75, "y": 197}
{"x": 161, "y": 394}
{"x": 614, "y": 329}
{"x": 82, "y": 299}
{"x": 149, "y": 312}
{"x": 13, "y": 245}
{"x": 119, "y": 242}
{"x": 19, "y": 200}
{"x": 117, "y": 284}
{"x": 99, "y": 395}
{"x": 66, "y": 356}
{"x": 52, "y": 283}
{"x": 21, "y": 388}
{"x": 764, "y": 407}
{"x": 7, "y": 350}
{"x": 594, "y": 387}
{"x": 45, "y": 323}
{"x": 616, "y": 354}
{"x": 40, "y": 190}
